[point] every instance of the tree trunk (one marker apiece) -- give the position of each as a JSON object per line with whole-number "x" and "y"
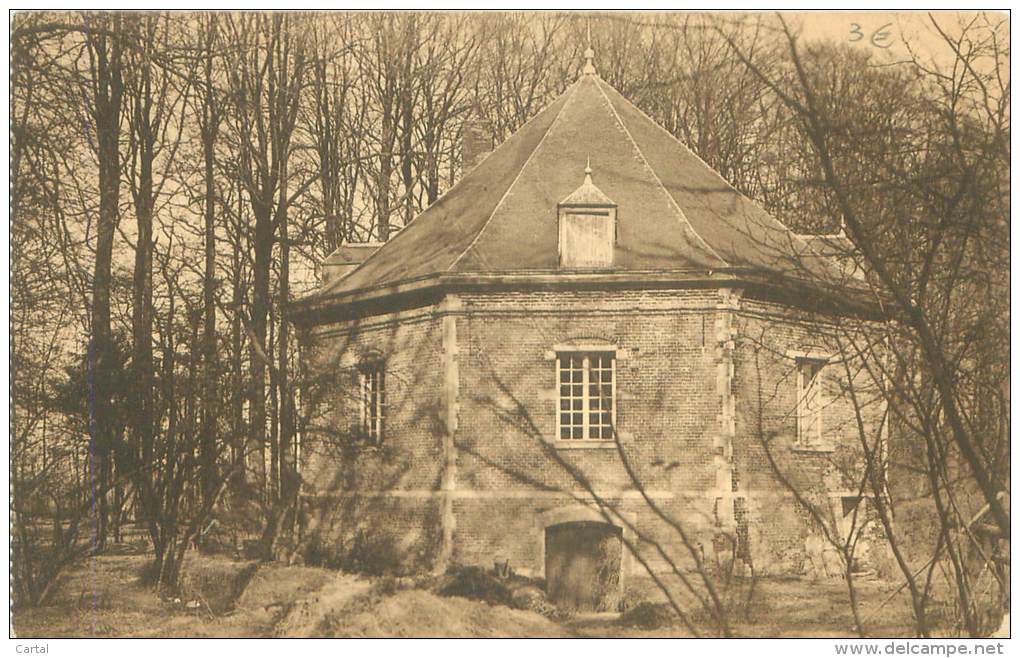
{"x": 209, "y": 129}
{"x": 238, "y": 432}
{"x": 107, "y": 87}
{"x": 382, "y": 204}
{"x": 283, "y": 507}
{"x": 263, "y": 248}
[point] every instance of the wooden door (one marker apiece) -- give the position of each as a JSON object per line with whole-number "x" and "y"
{"x": 582, "y": 565}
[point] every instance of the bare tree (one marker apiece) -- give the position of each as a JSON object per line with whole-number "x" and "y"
{"x": 105, "y": 90}
{"x": 924, "y": 205}
{"x": 338, "y": 110}
{"x": 210, "y": 116}
{"x": 266, "y": 76}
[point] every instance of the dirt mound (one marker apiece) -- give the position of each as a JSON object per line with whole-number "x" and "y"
{"x": 308, "y": 616}
{"x": 476, "y": 584}
{"x": 215, "y": 582}
{"x": 416, "y": 613}
{"x": 649, "y": 616}
{"x": 279, "y": 586}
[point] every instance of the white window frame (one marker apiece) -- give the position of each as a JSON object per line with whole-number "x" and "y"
{"x": 372, "y": 413}
{"x": 804, "y": 440}
{"x": 586, "y": 353}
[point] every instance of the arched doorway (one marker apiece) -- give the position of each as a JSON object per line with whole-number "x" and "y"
{"x": 583, "y": 565}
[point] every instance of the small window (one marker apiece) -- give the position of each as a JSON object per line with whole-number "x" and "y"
{"x": 809, "y": 401}
{"x": 587, "y": 408}
{"x": 372, "y": 385}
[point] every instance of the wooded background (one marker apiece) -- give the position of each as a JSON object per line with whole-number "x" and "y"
{"x": 176, "y": 179}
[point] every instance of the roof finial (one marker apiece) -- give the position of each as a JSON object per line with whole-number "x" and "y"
{"x": 588, "y": 195}
{"x": 589, "y": 54}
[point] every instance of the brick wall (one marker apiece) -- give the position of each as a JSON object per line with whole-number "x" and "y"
{"x": 681, "y": 355}
{"x": 665, "y": 418}
{"x": 379, "y": 497}
{"x": 782, "y": 530}
{"x": 664, "y": 389}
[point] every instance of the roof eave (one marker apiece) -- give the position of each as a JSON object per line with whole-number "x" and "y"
{"x": 318, "y": 308}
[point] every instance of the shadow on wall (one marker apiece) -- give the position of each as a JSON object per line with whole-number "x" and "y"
{"x": 373, "y": 535}
{"x": 369, "y": 493}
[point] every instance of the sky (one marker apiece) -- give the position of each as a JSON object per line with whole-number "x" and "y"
{"x": 889, "y": 35}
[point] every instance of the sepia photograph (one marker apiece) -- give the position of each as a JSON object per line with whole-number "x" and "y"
{"x": 464, "y": 323}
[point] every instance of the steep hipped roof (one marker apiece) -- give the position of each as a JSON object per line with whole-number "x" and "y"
{"x": 674, "y": 212}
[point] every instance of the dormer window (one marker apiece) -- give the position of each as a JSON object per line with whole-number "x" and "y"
{"x": 587, "y": 227}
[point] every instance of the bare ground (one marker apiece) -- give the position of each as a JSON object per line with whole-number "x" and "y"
{"x": 104, "y": 597}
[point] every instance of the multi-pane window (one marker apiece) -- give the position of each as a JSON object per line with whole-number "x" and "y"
{"x": 586, "y": 381}
{"x": 372, "y": 384}
{"x": 809, "y": 401}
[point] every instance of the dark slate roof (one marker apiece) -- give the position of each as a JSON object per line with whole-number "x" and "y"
{"x": 674, "y": 212}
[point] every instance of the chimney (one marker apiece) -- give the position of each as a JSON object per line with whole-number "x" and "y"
{"x": 476, "y": 141}
{"x": 345, "y": 260}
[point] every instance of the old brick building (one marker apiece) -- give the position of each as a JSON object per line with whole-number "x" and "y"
{"x": 586, "y": 344}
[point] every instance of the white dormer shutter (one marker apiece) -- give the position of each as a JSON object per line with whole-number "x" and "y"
{"x": 586, "y": 239}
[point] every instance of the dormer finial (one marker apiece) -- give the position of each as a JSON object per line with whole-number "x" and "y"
{"x": 587, "y": 195}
